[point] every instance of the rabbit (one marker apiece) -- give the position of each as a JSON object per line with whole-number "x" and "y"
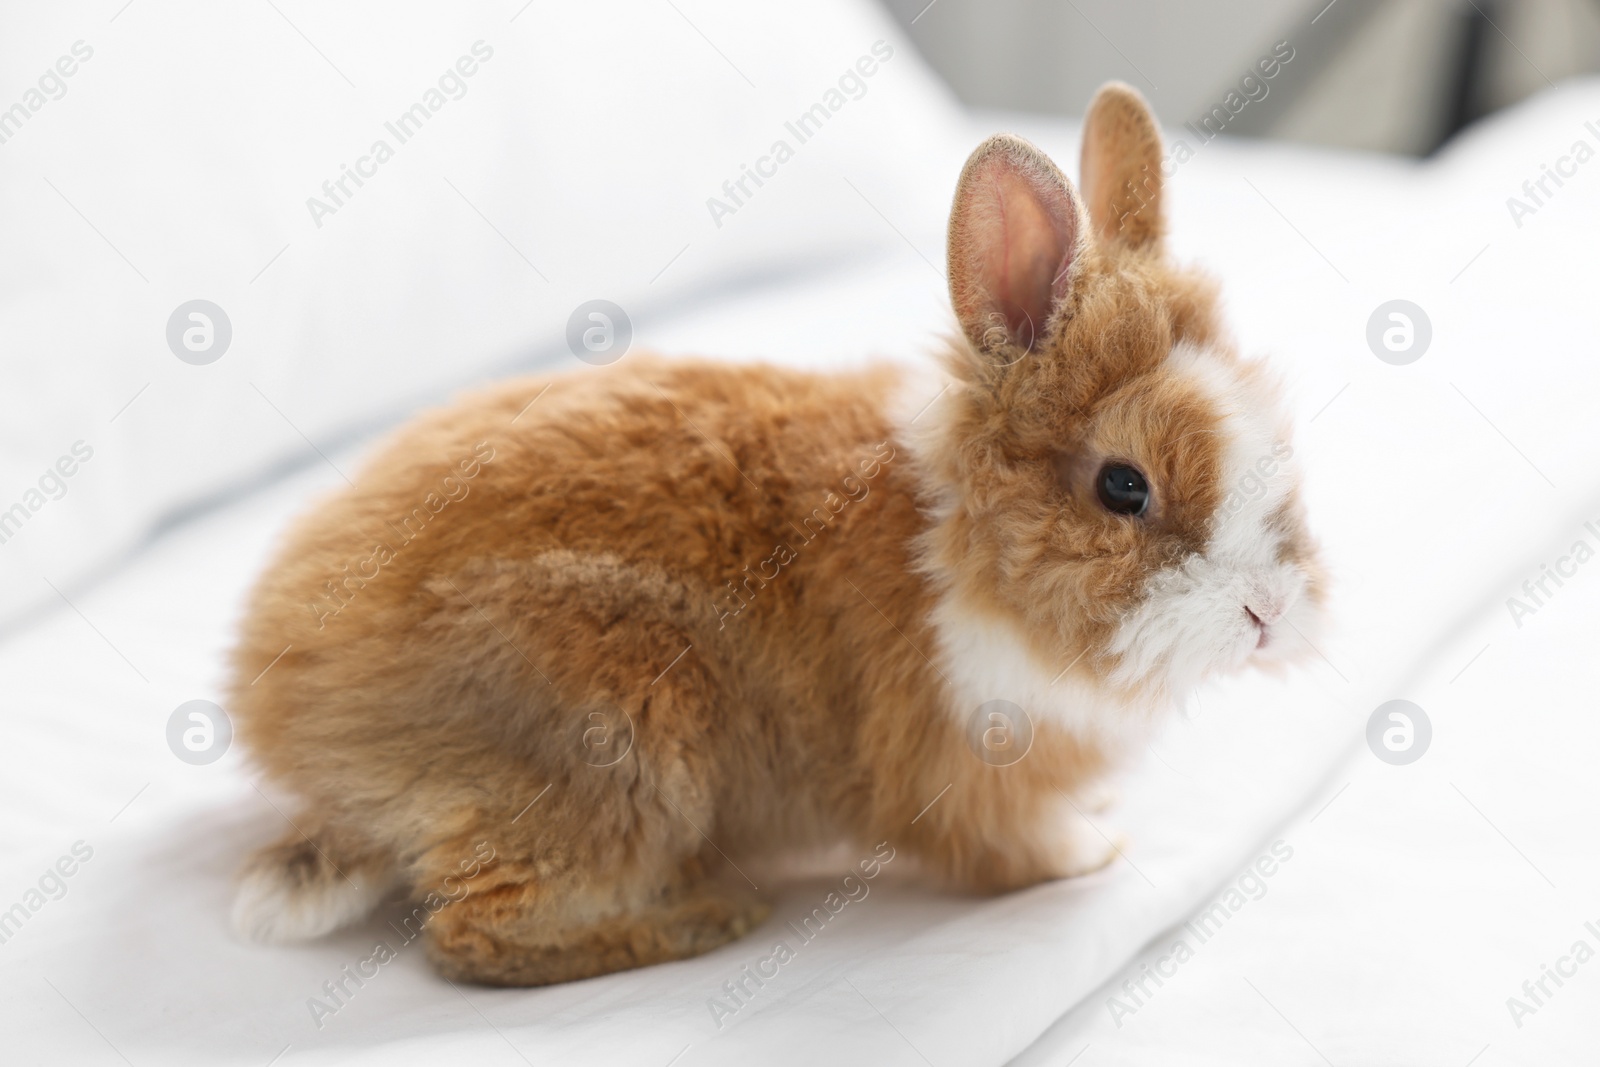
{"x": 571, "y": 655}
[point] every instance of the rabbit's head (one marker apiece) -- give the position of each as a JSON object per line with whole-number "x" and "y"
{"x": 1107, "y": 477}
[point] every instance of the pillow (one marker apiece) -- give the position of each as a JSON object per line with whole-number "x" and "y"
{"x": 239, "y": 237}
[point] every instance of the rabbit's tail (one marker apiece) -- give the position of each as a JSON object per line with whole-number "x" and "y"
{"x": 296, "y": 891}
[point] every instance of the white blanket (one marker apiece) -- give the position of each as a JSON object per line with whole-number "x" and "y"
{"x": 1393, "y": 927}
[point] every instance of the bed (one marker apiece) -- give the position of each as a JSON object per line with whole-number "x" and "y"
{"x": 1332, "y": 905}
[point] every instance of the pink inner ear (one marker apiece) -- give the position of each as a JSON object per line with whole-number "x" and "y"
{"x": 1028, "y": 259}
{"x": 1016, "y": 241}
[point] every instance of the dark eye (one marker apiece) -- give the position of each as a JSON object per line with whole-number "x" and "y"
{"x": 1122, "y": 489}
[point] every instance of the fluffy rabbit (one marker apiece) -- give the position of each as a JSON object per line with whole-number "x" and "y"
{"x": 573, "y": 651}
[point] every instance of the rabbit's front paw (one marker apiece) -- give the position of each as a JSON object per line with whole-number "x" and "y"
{"x": 1076, "y": 846}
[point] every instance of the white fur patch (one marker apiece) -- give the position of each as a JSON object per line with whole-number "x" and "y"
{"x": 271, "y": 908}
{"x": 1193, "y": 620}
{"x": 987, "y": 659}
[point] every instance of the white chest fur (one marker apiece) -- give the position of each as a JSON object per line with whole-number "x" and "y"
{"x": 986, "y": 659}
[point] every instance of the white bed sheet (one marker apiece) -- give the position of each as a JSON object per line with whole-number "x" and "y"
{"x": 1427, "y": 510}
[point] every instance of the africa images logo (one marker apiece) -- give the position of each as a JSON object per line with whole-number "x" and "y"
{"x": 451, "y": 85}
{"x": 802, "y": 128}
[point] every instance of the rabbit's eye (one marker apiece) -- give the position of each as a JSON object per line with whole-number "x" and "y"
{"x": 1122, "y": 489}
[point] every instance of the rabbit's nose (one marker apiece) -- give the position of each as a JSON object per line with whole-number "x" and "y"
{"x": 1260, "y": 625}
{"x": 1264, "y": 610}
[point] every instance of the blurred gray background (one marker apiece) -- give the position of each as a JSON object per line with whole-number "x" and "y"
{"x": 1382, "y": 75}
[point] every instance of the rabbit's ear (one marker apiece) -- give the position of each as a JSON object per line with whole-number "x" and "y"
{"x": 1017, "y": 230}
{"x": 1121, "y": 167}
